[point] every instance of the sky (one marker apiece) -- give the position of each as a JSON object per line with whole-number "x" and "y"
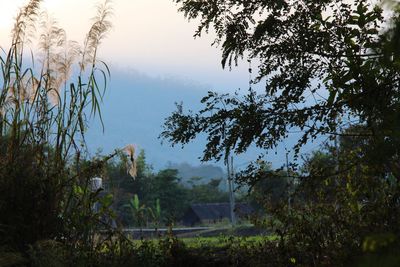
{"x": 147, "y": 35}
{"x": 153, "y": 55}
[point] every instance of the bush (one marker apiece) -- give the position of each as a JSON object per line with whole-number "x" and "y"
{"x": 44, "y": 181}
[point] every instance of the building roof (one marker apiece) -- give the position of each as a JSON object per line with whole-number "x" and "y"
{"x": 212, "y": 211}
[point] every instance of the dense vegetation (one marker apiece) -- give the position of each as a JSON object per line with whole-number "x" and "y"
{"x": 331, "y": 70}
{"x": 162, "y": 196}
{"x": 46, "y": 99}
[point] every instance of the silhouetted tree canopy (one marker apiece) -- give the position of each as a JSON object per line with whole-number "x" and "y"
{"x": 325, "y": 65}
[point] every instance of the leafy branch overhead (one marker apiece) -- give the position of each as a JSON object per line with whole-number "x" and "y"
{"x": 324, "y": 65}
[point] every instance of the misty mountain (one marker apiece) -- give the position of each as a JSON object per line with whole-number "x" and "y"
{"x": 202, "y": 173}
{"x": 134, "y": 109}
{"x": 135, "y": 106}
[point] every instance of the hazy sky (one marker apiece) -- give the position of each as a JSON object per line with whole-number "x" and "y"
{"x": 148, "y": 35}
{"x": 152, "y": 38}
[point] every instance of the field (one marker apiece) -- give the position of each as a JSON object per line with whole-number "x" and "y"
{"x": 218, "y": 237}
{"x": 225, "y": 241}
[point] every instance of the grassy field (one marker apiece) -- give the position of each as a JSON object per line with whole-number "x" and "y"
{"x": 223, "y": 241}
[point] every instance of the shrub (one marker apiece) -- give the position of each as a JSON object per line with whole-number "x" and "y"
{"x": 44, "y": 185}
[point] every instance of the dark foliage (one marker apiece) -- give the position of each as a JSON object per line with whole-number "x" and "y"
{"x": 330, "y": 68}
{"x": 164, "y": 186}
{"x": 324, "y": 64}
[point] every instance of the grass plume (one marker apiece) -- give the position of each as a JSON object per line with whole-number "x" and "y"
{"x": 43, "y": 119}
{"x": 100, "y": 27}
{"x": 131, "y": 164}
{"x": 25, "y": 23}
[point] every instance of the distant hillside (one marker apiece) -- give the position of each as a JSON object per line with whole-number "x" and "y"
{"x": 204, "y": 171}
{"x": 134, "y": 109}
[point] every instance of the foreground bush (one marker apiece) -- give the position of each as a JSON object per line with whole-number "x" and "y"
{"x": 45, "y": 191}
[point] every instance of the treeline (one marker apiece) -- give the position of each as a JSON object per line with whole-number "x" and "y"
{"x": 155, "y": 197}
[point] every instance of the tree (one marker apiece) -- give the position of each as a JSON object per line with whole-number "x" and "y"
{"x": 325, "y": 64}
{"x": 162, "y": 197}
{"x": 270, "y": 187}
{"x": 124, "y": 188}
{"x": 207, "y": 193}
{"x": 171, "y": 194}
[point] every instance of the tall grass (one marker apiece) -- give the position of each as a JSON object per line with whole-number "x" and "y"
{"x": 46, "y": 98}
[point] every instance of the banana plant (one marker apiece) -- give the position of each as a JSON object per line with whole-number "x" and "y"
{"x": 139, "y": 212}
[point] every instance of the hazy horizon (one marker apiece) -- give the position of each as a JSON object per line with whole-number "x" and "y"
{"x": 153, "y": 58}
